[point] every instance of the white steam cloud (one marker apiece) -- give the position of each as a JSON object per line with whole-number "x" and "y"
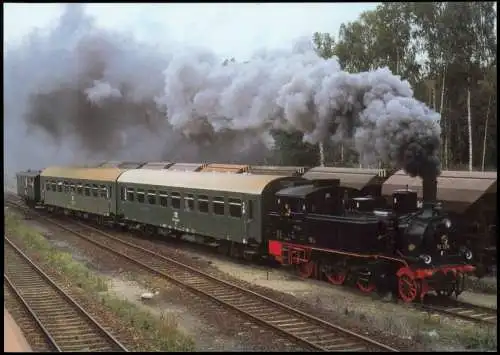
{"x": 101, "y": 91}
{"x": 107, "y": 96}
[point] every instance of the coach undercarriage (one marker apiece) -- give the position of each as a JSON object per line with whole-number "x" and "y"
{"x": 230, "y": 248}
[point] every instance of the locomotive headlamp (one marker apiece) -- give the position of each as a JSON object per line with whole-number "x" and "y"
{"x": 466, "y": 253}
{"x": 426, "y": 258}
{"x": 447, "y": 223}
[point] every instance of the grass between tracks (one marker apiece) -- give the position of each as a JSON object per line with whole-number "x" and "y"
{"x": 481, "y": 285}
{"x": 159, "y": 334}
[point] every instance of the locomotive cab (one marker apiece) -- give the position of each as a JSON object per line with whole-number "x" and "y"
{"x": 320, "y": 197}
{"x": 295, "y": 203}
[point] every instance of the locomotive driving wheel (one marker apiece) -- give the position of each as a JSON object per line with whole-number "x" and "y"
{"x": 365, "y": 282}
{"x": 306, "y": 270}
{"x": 335, "y": 275}
{"x": 408, "y": 288}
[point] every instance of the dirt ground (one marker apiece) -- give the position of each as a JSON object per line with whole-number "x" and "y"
{"x": 161, "y": 305}
{"x": 428, "y": 332}
{"x": 212, "y": 327}
{"x": 379, "y": 312}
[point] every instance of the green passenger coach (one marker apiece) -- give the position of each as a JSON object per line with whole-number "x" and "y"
{"x": 219, "y": 206}
{"x": 88, "y": 191}
{"x": 28, "y": 186}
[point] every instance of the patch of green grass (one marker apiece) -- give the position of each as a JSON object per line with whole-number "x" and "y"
{"x": 161, "y": 333}
{"x": 61, "y": 261}
{"x": 469, "y": 336}
{"x": 479, "y": 338}
{"x": 481, "y": 285}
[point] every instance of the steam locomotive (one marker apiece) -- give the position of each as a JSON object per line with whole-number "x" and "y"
{"x": 405, "y": 249}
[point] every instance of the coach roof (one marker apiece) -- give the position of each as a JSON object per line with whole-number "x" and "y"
{"x": 28, "y": 173}
{"x": 95, "y": 174}
{"x": 212, "y": 181}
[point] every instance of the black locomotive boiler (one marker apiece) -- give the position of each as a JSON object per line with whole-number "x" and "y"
{"x": 404, "y": 249}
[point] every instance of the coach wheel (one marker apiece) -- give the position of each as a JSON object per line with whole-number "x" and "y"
{"x": 408, "y": 288}
{"x": 336, "y": 276}
{"x": 365, "y": 282}
{"x": 306, "y": 270}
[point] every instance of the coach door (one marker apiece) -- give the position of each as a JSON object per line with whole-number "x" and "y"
{"x": 25, "y": 186}
{"x": 72, "y": 192}
{"x": 247, "y": 212}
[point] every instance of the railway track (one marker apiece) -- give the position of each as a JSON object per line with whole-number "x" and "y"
{"x": 28, "y": 325}
{"x": 298, "y": 326}
{"x": 465, "y": 311}
{"x": 65, "y": 325}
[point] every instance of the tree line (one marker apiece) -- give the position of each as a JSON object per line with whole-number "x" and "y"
{"x": 446, "y": 50}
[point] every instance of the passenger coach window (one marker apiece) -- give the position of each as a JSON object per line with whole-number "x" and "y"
{"x": 53, "y": 186}
{"x": 152, "y": 197}
{"x": 59, "y": 187}
{"x": 176, "y": 200}
{"x": 218, "y": 203}
{"x": 122, "y": 193}
{"x": 203, "y": 204}
{"x": 140, "y": 195}
{"x": 66, "y": 187}
{"x": 79, "y": 189}
{"x": 87, "y": 190}
{"x": 95, "y": 191}
{"x": 234, "y": 207}
{"x": 130, "y": 195}
{"x": 189, "y": 203}
{"x": 163, "y": 198}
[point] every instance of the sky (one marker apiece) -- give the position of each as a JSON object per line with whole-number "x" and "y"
{"x": 229, "y": 29}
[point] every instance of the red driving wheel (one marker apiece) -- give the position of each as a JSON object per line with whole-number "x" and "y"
{"x": 365, "y": 286}
{"x": 408, "y": 288}
{"x": 305, "y": 270}
{"x": 336, "y": 277}
{"x": 365, "y": 283}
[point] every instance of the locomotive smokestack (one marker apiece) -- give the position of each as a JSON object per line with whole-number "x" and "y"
{"x": 429, "y": 189}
